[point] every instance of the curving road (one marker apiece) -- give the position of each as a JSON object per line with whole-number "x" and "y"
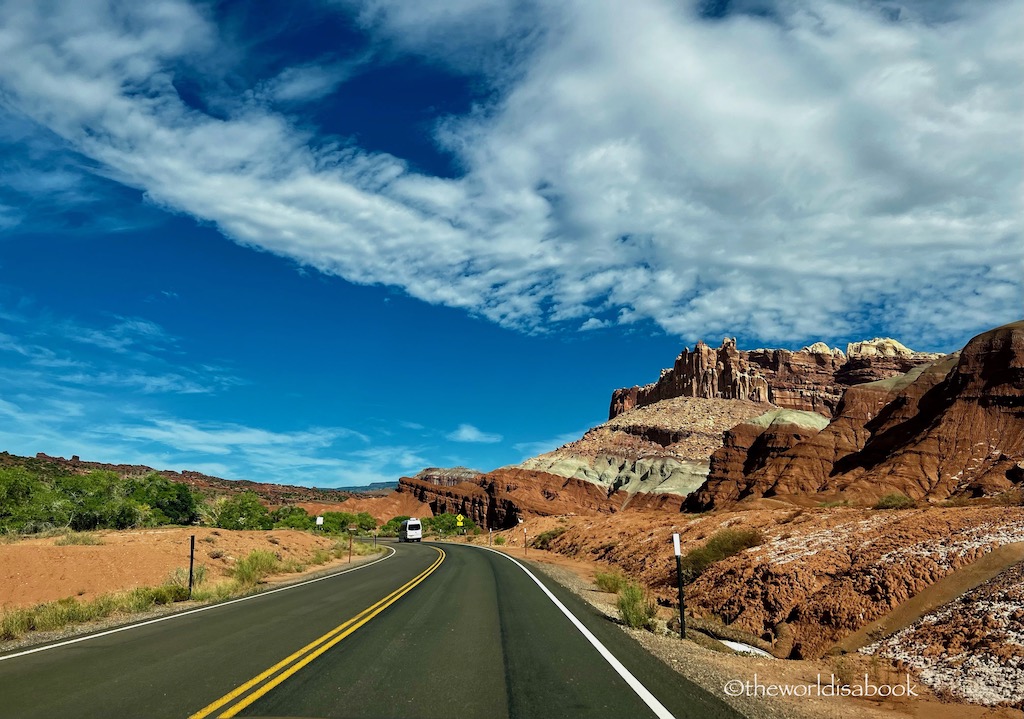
{"x": 431, "y": 631}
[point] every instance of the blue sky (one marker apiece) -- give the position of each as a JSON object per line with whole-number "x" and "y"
{"x": 342, "y": 241}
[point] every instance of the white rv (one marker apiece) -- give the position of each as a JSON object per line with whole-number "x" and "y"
{"x": 411, "y": 531}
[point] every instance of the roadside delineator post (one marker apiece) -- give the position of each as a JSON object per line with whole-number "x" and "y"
{"x": 191, "y": 563}
{"x": 679, "y": 578}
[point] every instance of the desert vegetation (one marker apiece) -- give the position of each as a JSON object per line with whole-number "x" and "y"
{"x": 636, "y": 607}
{"x": 722, "y": 544}
{"x": 36, "y": 500}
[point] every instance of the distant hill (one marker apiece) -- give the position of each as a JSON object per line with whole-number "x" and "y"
{"x": 273, "y": 494}
{"x": 374, "y": 488}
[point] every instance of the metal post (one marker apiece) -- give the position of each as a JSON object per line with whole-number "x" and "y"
{"x": 679, "y": 579}
{"x": 350, "y": 547}
{"x": 682, "y": 602}
{"x": 490, "y": 536}
{"x": 191, "y": 563}
{"x": 525, "y": 549}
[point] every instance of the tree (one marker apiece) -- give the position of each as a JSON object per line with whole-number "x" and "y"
{"x": 391, "y": 527}
{"x": 366, "y": 522}
{"x": 169, "y": 502}
{"x": 337, "y": 522}
{"x": 243, "y": 511}
{"x": 291, "y": 517}
{"x": 448, "y": 524}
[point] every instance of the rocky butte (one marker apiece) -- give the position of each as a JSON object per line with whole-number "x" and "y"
{"x": 812, "y": 379}
{"x": 953, "y": 427}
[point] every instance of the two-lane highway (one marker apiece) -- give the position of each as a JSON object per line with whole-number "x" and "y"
{"x": 433, "y": 631}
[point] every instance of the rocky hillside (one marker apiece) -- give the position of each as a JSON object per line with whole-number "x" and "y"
{"x": 499, "y": 499}
{"x": 812, "y": 379}
{"x": 661, "y": 448}
{"x": 951, "y": 428}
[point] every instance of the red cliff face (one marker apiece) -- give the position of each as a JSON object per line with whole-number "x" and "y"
{"x": 954, "y": 427}
{"x": 499, "y": 499}
{"x": 812, "y": 379}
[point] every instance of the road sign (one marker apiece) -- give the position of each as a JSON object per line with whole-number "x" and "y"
{"x": 458, "y": 520}
{"x": 319, "y": 521}
{"x": 459, "y": 517}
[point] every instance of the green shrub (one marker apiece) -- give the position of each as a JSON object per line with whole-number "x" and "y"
{"x": 610, "y": 582}
{"x": 179, "y": 577}
{"x": 543, "y": 540}
{"x": 320, "y": 557}
{"x": 636, "y": 608}
{"x": 292, "y": 566}
{"x": 252, "y": 569}
{"x": 499, "y": 540}
{"x": 390, "y": 528}
{"x": 78, "y": 538}
{"x": 291, "y": 517}
{"x": 55, "y": 615}
{"x": 722, "y": 544}
{"x": 895, "y": 500}
{"x": 243, "y": 511}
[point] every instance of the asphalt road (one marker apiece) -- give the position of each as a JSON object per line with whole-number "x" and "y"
{"x": 434, "y": 631}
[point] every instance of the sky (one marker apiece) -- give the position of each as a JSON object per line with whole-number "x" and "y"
{"x": 343, "y": 240}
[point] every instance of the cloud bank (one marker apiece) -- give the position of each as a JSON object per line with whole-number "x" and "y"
{"x": 816, "y": 169}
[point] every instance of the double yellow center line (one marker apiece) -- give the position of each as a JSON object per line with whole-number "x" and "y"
{"x": 259, "y": 685}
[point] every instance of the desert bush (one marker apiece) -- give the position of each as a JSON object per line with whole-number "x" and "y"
{"x": 543, "y": 540}
{"x": 78, "y": 538}
{"x": 179, "y": 577}
{"x": 610, "y": 582}
{"x": 499, "y": 540}
{"x": 721, "y": 545}
{"x": 959, "y": 501}
{"x": 55, "y": 615}
{"x": 253, "y": 568}
{"x": 216, "y": 592}
{"x": 320, "y": 557}
{"x": 292, "y": 566}
{"x": 215, "y": 554}
{"x": 895, "y": 500}
{"x": 636, "y": 608}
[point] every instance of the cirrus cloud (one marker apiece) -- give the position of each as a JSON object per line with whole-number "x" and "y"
{"x": 819, "y": 169}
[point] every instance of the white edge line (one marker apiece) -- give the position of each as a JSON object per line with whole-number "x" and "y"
{"x": 649, "y": 699}
{"x": 194, "y": 611}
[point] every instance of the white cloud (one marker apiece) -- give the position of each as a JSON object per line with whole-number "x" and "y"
{"x": 469, "y": 433}
{"x": 304, "y": 83}
{"x": 817, "y": 173}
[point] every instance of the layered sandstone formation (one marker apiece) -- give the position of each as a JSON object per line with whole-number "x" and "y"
{"x": 447, "y": 476}
{"x": 953, "y": 427}
{"x": 660, "y": 448}
{"x": 812, "y": 379}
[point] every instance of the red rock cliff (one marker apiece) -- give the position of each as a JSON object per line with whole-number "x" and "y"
{"x": 500, "y": 498}
{"x": 812, "y": 379}
{"x": 954, "y": 427}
